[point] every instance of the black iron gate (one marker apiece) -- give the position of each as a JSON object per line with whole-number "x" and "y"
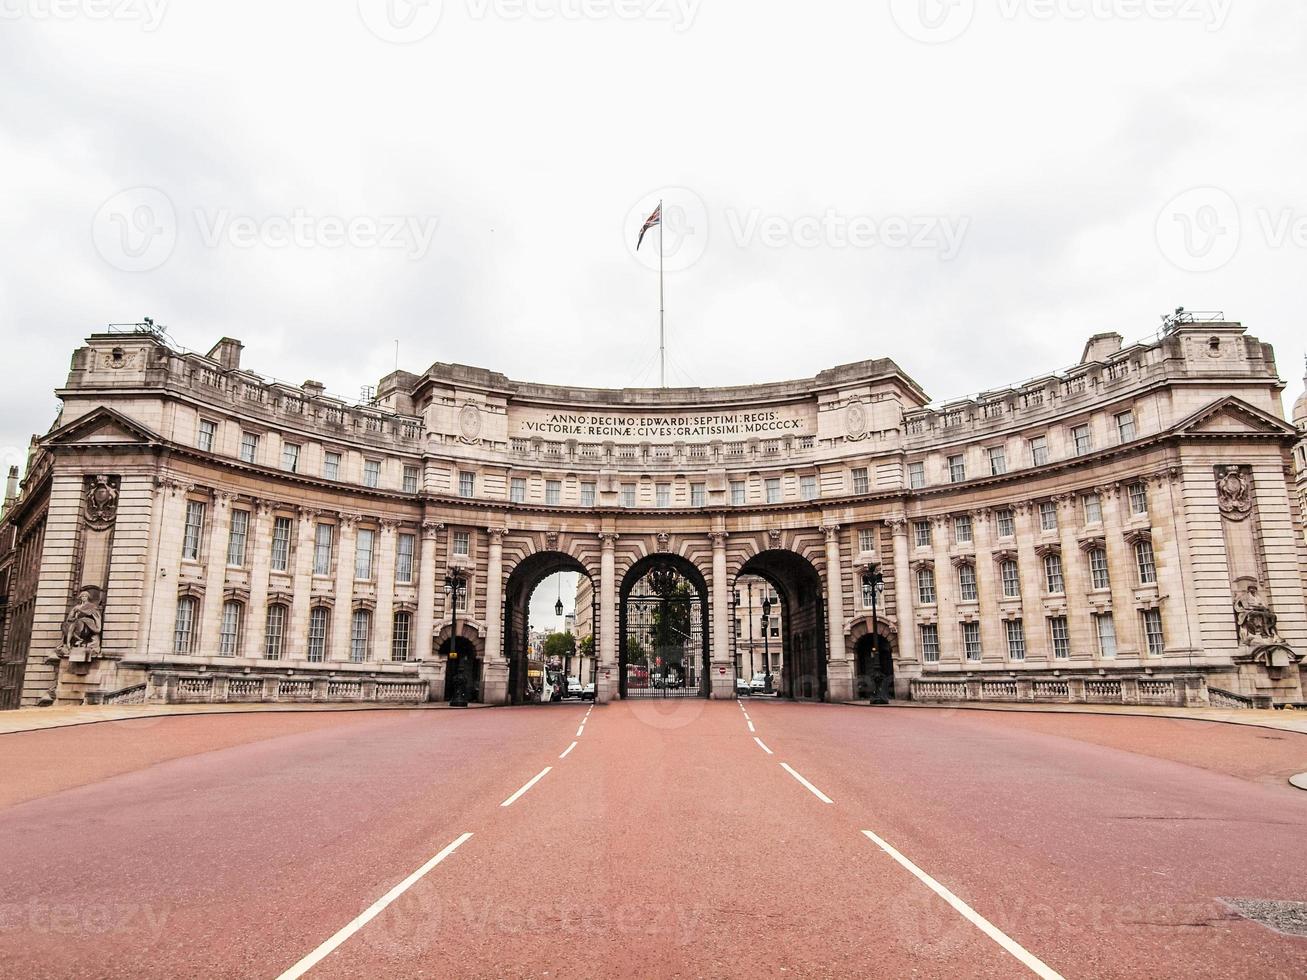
{"x": 665, "y": 639}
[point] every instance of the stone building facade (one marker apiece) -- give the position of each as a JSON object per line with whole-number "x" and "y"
{"x": 1125, "y": 531}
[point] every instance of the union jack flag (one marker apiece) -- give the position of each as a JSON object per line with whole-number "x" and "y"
{"x": 654, "y": 219}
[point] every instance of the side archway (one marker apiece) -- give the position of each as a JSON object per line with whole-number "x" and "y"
{"x": 873, "y": 660}
{"x": 803, "y": 640}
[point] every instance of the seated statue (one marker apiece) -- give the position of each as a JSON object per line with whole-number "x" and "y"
{"x": 1257, "y": 622}
{"x": 82, "y": 625}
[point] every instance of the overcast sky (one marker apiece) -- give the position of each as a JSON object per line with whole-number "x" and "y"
{"x": 969, "y": 188}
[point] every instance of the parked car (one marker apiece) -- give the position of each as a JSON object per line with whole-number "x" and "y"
{"x": 574, "y": 687}
{"x": 759, "y": 683}
{"x": 742, "y": 686}
{"x": 588, "y": 692}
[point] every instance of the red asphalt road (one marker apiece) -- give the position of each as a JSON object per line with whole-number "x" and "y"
{"x": 667, "y": 843}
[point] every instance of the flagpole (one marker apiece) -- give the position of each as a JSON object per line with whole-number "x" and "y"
{"x": 662, "y": 307}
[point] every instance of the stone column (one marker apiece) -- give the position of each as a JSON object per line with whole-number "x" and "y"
{"x": 384, "y": 571}
{"x": 723, "y": 684}
{"x": 839, "y": 672}
{"x": 344, "y": 607}
{"x": 259, "y": 552}
{"x": 993, "y": 639}
{"x": 297, "y": 630}
{"x": 946, "y": 587}
{"x": 494, "y": 686}
{"x": 167, "y": 567}
{"x": 903, "y": 609}
{"x": 609, "y": 664}
{"x": 1124, "y": 571}
{"x": 1038, "y": 644}
{"x": 215, "y": 576}
{"x": 1075, "y": 571}
{"x": 432, "y": 669}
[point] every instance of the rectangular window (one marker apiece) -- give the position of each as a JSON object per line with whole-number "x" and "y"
{"x": 359, "y": 631}
{"x": 249, "y": 447}
{"x": 1093, "y": 506}
{"x": 281, "y": 528}
{"x": 322, "y": 544}
{"x": 208, "y": 434}
{"x": 290, "y": 457}
{"x": 1106, "y": 630}
{"x": 698, "y": 495}
{"x": 773, "y": 490}
{"x": 1098, "y": 574}
{"x": 1125, "y": 426}
{"x": 737, "y": 493}
{"x": 467, "y": 483}
{"x": 926, "y": 586}
{"x": 962, "y": 529}
{"x": 405, "y": 545}
{"x": 916, "y": 475}
{"x": 1010, "y": 575}
{"x": 1082, "y": 439}
{"x": 930, "y": 643}
{"x": 808, "y": 487}
{"x": 866, "y": 540}
{"x": 317, "y": 650}
{"x": 194, "y": 530}
{"x": 922, "y": 531}
{"x": 462, "y": 544}
{"x": 553, "y": 492}
{"x": 1053, "y": 580}
{"x": 663, "y": 495}
{"x": 861, "y": 483}
{"x": 275, "y": 635}
{"x": 587, "y": 494}
{"x": 330, "y": 465}
{"x": 239, "y": 534}
{"x": 517, "y": 490}
{"x": 967, "y": 583}
{"x": 364, "y": 546}
{"x": 1145, "y": 563}
{"x": 1048, "y": 516}
{"x": 628, "y": 494}
{"x": 1016, "y": 639}
{"x": 971, "y": 640}
{"x": 1061, "y": 637}
{"x": 410, "y": 479}
{"x": 1038, "y": 451}
{"x": 184, "y": 628}
{"x": 1152, "y": 621}
{"x": 229, "y": 634}
{"x": 1006, "y": 523}
{"x": 1139, "y": 498}
{"x": 957, "y": 468}
{"x": 997, "y": 461}
{"x": 869, "y": 594}
{"x": 399, "y": 637}
{"x": 372, "y": 473}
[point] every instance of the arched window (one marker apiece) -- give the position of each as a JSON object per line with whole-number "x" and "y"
{"x": 400, "y": 636}
{"x": 926, "y": 586}
{"x": 319, "y": 619}
{"x": 1144, "y": 560}
{"x": 184, "y": 633}
{"x": 360, "y": 630}
{"x": 1098, "y": 569}
{"x": 1053, "y": 579}
{"x": 275, "y": 638}
{"x": 229, "y": 635}
{"x": 1011, "y": 577}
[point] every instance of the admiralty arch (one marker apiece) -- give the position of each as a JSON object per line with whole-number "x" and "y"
{"x": 1123, "y": 531}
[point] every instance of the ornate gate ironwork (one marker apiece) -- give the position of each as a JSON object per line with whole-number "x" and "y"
{"x": 664, "y": 638}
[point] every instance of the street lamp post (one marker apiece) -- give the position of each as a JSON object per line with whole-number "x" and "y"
{"x": 456, "y": 588}
{"x": 751, "y": 632}
{"x": 766, "y": 649}
{"x": 877, "y": 695}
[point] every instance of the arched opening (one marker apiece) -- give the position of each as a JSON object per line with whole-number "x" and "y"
{"x": 873, "y": 659}
{"x": 543, "y": 664}
{"x": 470, "y": 674}
{"x": 802, "y": 623}
{"x": 664, "y": 629}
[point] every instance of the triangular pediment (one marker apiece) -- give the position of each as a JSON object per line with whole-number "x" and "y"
{"x": 101, "y": 426}
{"x": 1234, "y": 416}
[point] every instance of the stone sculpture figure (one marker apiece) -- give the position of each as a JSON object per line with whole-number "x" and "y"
{"x": 82, "y": 626}
{"x": 1258, "y": 624}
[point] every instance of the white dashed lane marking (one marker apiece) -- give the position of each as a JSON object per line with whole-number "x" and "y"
{"x": 807, "y": 785}
{"x": 531, "y": 782}
{"x": 567, "y": 750}
{"x": 761, "y": 746}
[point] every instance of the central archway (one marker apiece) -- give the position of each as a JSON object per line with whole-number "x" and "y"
{"x": 663, "y": 629}
{"x": 528, "y": 574}
{"x": 803, "y": 620}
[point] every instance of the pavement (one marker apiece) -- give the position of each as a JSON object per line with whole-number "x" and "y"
{"x": 652, "y": 839}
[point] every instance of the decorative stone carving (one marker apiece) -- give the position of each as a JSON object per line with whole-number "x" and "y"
{"x": 718, "y": 538}
{"x": 608, "y": 539}
{"x": 430, "y": 529}
{"x": 83, "y": 626}
{"x": 551, "y": 541}
{"x": 1259, "y": 632}
{"x": 855, "y": 421}
{"x": 1234, "y": 492}
{"x": 664, "y": 541}
{"x": 897, "y": 526}
{"x": 101, "y": 502}
{"x": 774, "y": 537}
{"x": 832, "y": 532}
{"x": 469, "y": 422}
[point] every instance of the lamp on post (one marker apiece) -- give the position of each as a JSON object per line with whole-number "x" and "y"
{"x": 766, "y": 649}
{"x": 456, "y": 588}
{"x": 877, "y": 582}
